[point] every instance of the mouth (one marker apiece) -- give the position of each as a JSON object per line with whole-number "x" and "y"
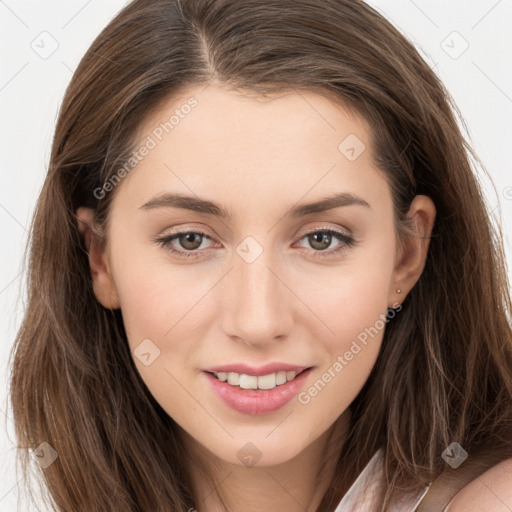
{"x": 258, "y": 382}
{"x": 257, "y": 394}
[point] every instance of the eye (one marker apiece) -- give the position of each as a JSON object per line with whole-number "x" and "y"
{"x": 189, "y": 240}
{"x": 321, "y": 239}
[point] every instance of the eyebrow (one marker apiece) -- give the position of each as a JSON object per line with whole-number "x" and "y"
{"x": 204, "y": 206}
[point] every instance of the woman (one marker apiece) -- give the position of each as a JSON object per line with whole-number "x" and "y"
{"x": 262, "y": 274}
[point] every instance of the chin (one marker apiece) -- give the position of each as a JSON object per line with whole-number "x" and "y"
{"x": 258, "y": 451}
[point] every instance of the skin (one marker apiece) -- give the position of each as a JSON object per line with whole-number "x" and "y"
{"x": 258, "y": 158}
{"x": 491, "y": 491}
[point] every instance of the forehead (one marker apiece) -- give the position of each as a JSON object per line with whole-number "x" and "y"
{"x": 221, "y": 142}
{"x": 243, "y": 120}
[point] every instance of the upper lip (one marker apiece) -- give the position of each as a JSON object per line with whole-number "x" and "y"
{"x": 256, "y": 371}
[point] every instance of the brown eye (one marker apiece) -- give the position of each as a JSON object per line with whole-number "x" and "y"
{"x": 320, "y": 240}
{"x": 190, "y": 241}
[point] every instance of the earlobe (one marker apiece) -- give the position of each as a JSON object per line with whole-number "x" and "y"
{"x": 102, "y": 281}
{"x": 413, "y": 252}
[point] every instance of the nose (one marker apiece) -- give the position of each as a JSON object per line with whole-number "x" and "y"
{"x": 256, "y": 301}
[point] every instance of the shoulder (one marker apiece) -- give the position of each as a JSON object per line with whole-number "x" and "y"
{"x": 491, "y": 491}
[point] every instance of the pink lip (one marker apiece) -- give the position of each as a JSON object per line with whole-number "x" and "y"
{"x": 256, "y": 371}
{"x": 257, "y": 401}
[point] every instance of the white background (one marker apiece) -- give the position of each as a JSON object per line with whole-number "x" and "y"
{"x": 31, "y": 89}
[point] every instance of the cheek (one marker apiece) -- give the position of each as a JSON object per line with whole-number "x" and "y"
{"x": 348, "y": 299}
{"x": 157, "y": 309}
{"x": 348, "y": 357}
{"x": 355, "y": 314}
{"x": 155, "y": 296}
{"x": 352, "y": 306}
{"x": 353, "y": 299}
{"x": 164, "y": 316}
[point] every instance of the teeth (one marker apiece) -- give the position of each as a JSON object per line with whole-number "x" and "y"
{"x": 269, "y": 381}
{"x": 248, "y": 381}
{"x": 233, "y": 378}
{"x": 281, "y": 377}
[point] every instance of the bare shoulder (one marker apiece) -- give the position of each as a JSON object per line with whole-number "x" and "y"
{"x": 491, "y": 491}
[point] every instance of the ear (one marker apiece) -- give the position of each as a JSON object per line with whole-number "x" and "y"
{"x": 413, "y": 249}
{"x": 103, "y": 283}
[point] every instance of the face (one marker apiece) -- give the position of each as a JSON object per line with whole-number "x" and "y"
{"x": 271, "y": 282}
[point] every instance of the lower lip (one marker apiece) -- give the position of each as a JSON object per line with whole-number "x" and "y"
{"x": 257, "y": 401}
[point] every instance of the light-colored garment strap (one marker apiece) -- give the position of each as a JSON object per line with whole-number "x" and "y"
{"x": 446, "y": 486}
{"x": 365, "y": 494}
{"x": 365, "y": 489}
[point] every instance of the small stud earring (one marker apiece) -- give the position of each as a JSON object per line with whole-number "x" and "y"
{"x": 399, "y": 291}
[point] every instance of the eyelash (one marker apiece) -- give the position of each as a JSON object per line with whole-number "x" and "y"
{"x": 349, "y": 241}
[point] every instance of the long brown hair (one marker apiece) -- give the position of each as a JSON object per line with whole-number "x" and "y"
{"x": 444, "y": 372}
